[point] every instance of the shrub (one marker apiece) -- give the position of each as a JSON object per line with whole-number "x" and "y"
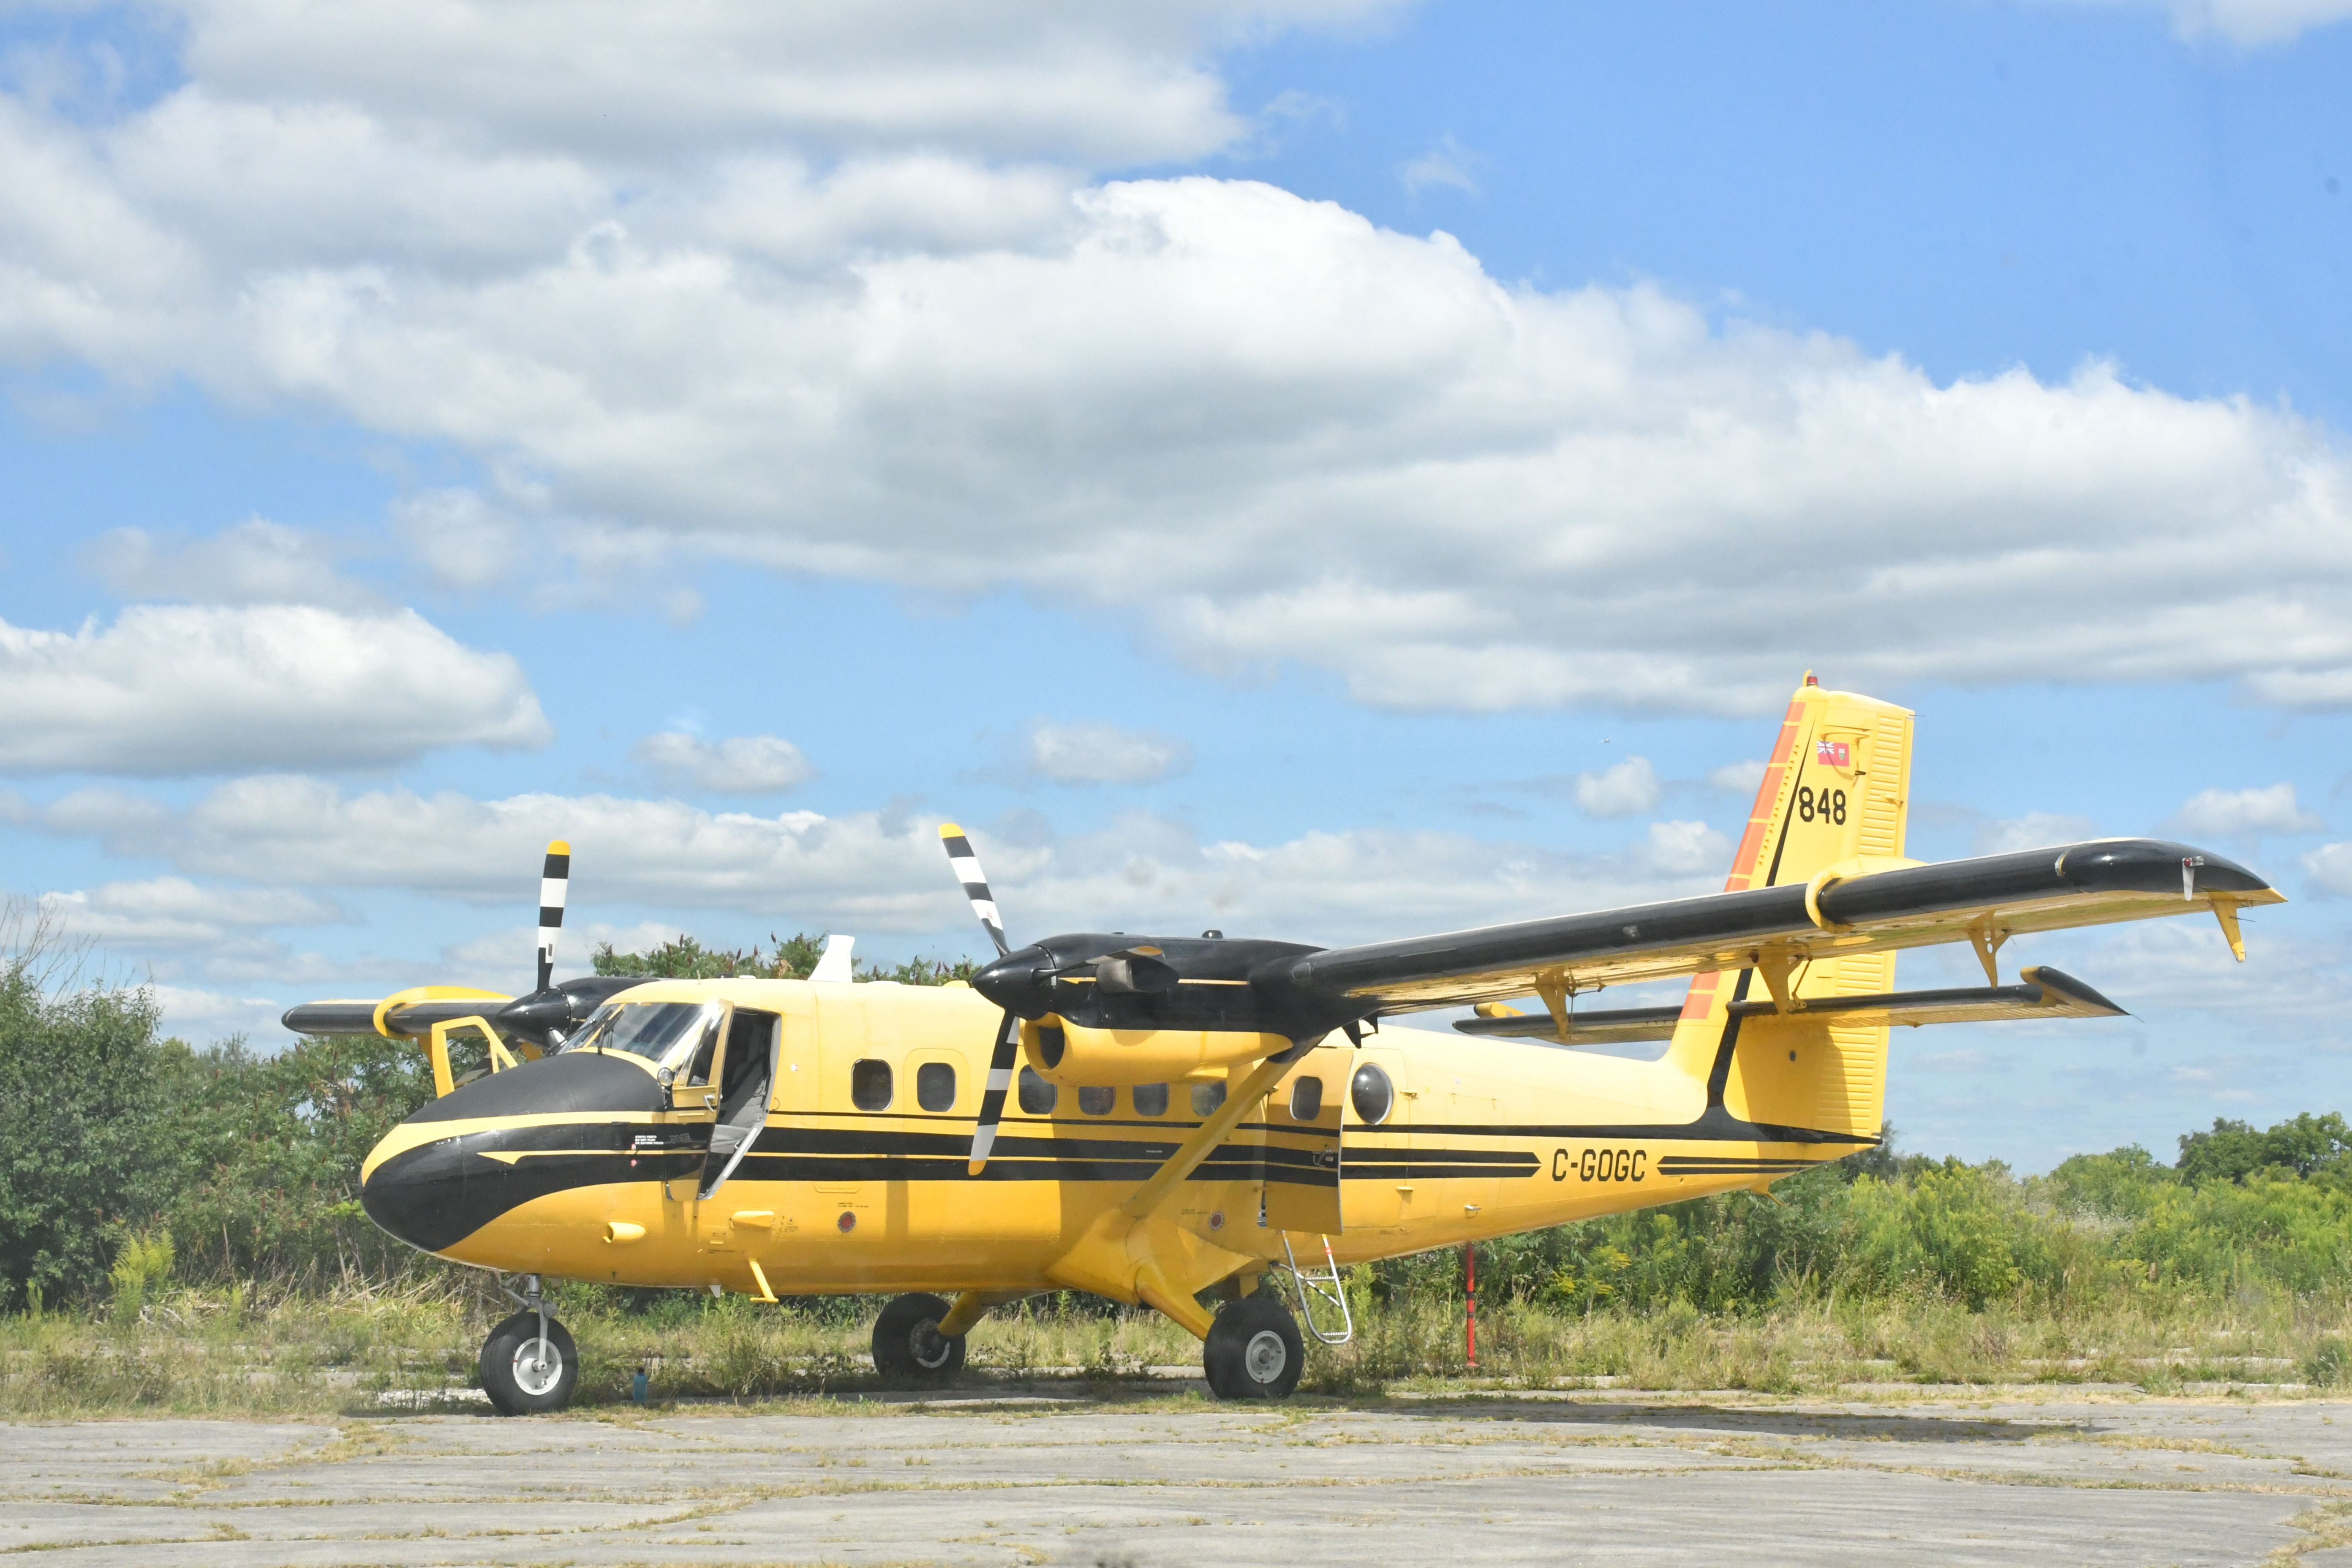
{"x": 141, "y": 1263}
{"x": 83, "y": 1078}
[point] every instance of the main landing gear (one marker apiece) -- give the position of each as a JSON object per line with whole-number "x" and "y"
{"x": 530, "y": 1365}
{"x": 1253, "y": 1350}
{"x": 908, "y": 1342}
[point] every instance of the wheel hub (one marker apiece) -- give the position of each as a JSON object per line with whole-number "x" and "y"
{"x": 538, "y": 1367}
{"x": 930, "y": 1348}
{"x": 1265, "y": 1356}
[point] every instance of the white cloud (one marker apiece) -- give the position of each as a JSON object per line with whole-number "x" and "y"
{"x": 930, "y": 348}
{"x": 1104, "y": 753}
{"x": 1628, "y": 789}
{"x": 1688, "y": 849}
{"x": 460, "y": 539}
{"x": 1447, "y": 165}
{"x": 741, "y": 764}
{"x": 2246, "y": 23}
{"x": 202, "y": 1017}
{"x": 172, "y": 911}
{"x": 2329, "y": 866}
{"x": 1736, "y": 778}
{"x": 1111, "y": 82}
{"x": 2158, "y": 969}
{"x": 256, "y": 562}
{"x": 878, "y": 872}
{"x": 182, "y": 688}
{"x": 2035, "y": 830}
{"x": 2244, "y": 814}
{"x": 510, "y": 957}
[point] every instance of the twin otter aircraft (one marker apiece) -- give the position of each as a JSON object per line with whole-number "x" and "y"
{"x": 1206, "y": 1116}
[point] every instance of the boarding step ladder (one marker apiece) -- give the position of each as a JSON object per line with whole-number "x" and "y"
{"x": 1324, "y": 1287}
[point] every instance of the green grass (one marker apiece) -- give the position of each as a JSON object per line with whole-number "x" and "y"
{"x": 229, "y": 1352}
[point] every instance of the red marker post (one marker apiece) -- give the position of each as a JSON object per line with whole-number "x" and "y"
{"x": 1470, "y": 1278}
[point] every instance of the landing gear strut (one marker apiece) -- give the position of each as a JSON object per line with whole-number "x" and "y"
{"x": 908, "y": 1342}
{"x": 1254, "y": 1351}
{"x": 530, "y": 1365}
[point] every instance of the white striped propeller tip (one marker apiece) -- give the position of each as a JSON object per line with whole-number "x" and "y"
{"x": 554, "y": 881}
{"x": 966, "y": 866}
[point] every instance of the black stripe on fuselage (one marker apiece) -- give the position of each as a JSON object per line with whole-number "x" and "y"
{"x": 435, "y": 1194}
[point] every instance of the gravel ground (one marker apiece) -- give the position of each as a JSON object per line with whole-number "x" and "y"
{"x": 1161, "y": 1479}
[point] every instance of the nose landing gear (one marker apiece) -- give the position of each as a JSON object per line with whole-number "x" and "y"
{"x": 530, "y": 1365}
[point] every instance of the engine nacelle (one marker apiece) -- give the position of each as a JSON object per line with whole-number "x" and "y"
{"x": 1075, "y": 1057}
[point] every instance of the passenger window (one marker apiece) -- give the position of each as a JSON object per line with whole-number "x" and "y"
{"x": 1307, "y": 1100}
{"x": 935, "y": 1085}
{"x": 1037, "y": 1096}
{"x": 1098, "y": 1101}
{"x": 1206, "y": 1098}
{"x": 870, "y": 1085}
{"x": 1152, "y": 1100}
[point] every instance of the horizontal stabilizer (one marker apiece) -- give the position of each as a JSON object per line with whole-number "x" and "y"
{"x": 2044, "y": 993}
{"x": 1608, "y": 1026}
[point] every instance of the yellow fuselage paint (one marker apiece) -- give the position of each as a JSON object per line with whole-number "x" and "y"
{"x": 1485, "y": 1138}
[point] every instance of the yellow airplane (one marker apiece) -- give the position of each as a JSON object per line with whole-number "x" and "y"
{"x": 1210, "y": 1116}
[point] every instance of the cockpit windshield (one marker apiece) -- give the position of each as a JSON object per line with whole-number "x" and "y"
{"x": 665, "y": 1033}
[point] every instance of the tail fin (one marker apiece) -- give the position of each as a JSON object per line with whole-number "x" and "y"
{"x": 1836, "y": 790}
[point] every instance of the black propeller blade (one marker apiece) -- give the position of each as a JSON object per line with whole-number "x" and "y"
{"x": 991, "y": 1101}
{"x": 1008, "y": 1034}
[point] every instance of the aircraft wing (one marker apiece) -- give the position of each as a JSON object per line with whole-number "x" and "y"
{"x": 1983, "y": 901}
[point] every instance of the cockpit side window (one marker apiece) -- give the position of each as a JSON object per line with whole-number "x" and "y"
{"x": 699, "y": 1073}
{"x": 664, "y": 1033}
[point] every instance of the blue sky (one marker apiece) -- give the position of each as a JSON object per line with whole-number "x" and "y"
{"x": 1323, "y": 469}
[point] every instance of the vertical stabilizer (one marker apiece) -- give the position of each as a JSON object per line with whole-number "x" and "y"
{"x": 1834, "y": 797}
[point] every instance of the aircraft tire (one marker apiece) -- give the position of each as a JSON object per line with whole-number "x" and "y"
{"x": 1253, "y": 1350}
{"x": 523, "y": 1375}
{"x": 907, "y": 1343}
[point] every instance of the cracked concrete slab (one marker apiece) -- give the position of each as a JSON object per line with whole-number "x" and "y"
{"x": 1608, "y": 1479}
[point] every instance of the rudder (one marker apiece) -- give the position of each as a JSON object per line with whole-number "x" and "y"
{"x": 1835, "y": 794}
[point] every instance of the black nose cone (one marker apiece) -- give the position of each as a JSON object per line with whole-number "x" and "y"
{"x": 425, "y": 1197}
{"x": 434, "y": 1195}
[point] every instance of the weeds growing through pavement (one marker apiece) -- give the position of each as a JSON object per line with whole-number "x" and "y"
{"x": 223, "y": 1351}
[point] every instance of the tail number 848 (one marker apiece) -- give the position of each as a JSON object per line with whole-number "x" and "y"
{"x": 1601, "y": 1164}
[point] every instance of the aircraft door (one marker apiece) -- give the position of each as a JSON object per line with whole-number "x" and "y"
{"x": 1376, "y": 1172}
{"x": 1300, "y": 1157}
{"x": 745, "y": 1079}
